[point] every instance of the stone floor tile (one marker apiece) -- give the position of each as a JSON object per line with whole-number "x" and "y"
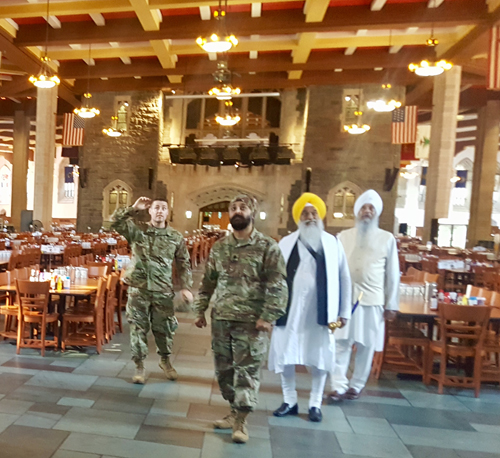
{"x": 175, "y": 408}
{"x": 221, "y": 446}
{"x": 94, "y": 421}
{"x": 38, "y": 420}
{"x": 420, "y": 451}
{"x": 433, "y": 401}
{"x": 373, "y": 446}
{"x": 100, "y": 367}
{"x": 329, "y": 423}
{"x": 371, "y": 426}
{"x": 59, "y": 380}
{"x": 36, "y": 394}
{"x": 14, "y": 406}
{"x": 7, "y": 419}
{"x": 75, "y": 402}
{"x": 68, "y": 454}
{"x": 304, "y": 440}
{"x": 47, "y": 407}
{"x": 448, "y": 439}
{"x": 10, "y": 382}
{"x": 125, "y": 448}
{"x": 172, "y": 436}
{"x": 489, "y": 429}
{"x": 123, "y": 403}
{"x": 23, "y": 441}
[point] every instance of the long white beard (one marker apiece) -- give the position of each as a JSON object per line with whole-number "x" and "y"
{"x": 366, "y": 230}
{"x": 311, "y": 233}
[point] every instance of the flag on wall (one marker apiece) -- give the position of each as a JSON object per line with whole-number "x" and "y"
{"x": 404, "y": 125}
{"x": 494, "y": 59}
{"x": 69, "y": 175}
{"x": 73, "y": 130}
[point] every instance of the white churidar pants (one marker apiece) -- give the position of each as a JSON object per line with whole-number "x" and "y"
{"x": 317, "y": 387}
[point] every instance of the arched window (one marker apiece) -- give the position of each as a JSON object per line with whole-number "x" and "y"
{"x": 5, "y": 184}
{"x": 117, "y": 194}
{"x": 340, "y": 204}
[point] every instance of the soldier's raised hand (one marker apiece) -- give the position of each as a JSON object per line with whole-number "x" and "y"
{"x": 142, "y": 203}
{"x": 200, "y": 322}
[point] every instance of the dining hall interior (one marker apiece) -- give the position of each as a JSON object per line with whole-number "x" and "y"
{"x": 103, "y": 102}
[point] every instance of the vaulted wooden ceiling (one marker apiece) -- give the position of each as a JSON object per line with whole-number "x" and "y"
{"x": 150, "y": 44}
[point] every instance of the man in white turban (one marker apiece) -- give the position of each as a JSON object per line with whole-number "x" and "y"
{"x": 374, "y": 266}
{"x": 319, "y": 293}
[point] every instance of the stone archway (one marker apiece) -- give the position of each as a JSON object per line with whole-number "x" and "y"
{"x": 330, "y": 202}
{"x": 220, "y": 193}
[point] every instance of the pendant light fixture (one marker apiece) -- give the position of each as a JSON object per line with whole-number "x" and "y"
{"x": 87, "y": 111}
{"x": 45, "y": 79}
{"x": 223, "y": 90}
{"x": 220, "y": 40}
{"x": 113, "y": 131}
{"x": 229, "y": 119}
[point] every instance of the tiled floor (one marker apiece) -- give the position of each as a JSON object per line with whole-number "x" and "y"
{"x": 75, "y": 405}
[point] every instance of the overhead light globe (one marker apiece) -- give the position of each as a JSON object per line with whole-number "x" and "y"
{"x": 382, "y": 106}
{"x": 228, "y": 120}
{"x": 426, "y": 68}
{"x": 112, "y": 132}
{"x": 86, "y": 113}
{"x": 217, "y": 44}
{"x": 357, "y": 129}
{"x": 44, "y": 81}
{"x": 224, "y": 92}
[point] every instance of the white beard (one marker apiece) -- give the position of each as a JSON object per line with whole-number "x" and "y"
{"x": 311, "y": 233}
{"x": 366, "y": 230}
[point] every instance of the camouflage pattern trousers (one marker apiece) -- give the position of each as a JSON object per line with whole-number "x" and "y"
{"x": 239, "y": 352}
{"x": 145, "y": 310}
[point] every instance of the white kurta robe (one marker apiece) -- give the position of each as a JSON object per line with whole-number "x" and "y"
{"x": 375, "y": 272}
{"x": 302, "y": 341}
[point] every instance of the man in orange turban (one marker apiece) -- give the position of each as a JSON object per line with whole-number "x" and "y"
{"x": 319, "y": 288}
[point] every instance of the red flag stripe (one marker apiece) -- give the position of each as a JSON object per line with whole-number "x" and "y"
{"x": 405, "y": 131}
{"x": 72, "y": 136}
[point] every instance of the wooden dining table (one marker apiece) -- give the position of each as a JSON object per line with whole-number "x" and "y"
{"x": 416, "y": 310}
{"x": 81, "y": 288}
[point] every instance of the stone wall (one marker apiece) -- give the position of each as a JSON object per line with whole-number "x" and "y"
{"x": 128, "y": 158}
{"x": 336, "y": 157}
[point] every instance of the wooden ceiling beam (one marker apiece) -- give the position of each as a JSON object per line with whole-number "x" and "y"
{"x": 187, "y": 65}
{"x": 343, "y": 18}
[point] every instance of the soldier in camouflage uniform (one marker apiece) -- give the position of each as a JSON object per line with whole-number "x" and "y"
{"x": 245, "y": 275}
{"x": 155, "y": 247}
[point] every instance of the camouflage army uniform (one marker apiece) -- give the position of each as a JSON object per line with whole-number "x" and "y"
{"x": 246, "y": 280}
{"x": 149, "y": 276}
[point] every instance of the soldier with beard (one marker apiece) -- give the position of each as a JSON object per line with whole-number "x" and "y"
{"x": 372, "y": 256}
{"x": 245, "y": 277}
{"x": 320, "y": 292}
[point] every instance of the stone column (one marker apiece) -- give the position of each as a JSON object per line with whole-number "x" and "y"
{"x": 485, "y": 167}
{"x": 20, "y": 167}
{"x": 445, "y": 101}
{"x": 46, "y": 110}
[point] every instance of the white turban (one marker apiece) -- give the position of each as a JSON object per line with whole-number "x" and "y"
{"x": 369, "y": 197}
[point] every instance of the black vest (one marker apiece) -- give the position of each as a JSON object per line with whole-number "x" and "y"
{"x": 321, "y": 283}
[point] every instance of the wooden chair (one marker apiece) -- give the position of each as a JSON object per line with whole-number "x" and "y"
{"x": 486, "y": 293}
{"x": 431, "y": 278}
{"x": 9, "y": 310}
{"x": 472, "y": 291}
{"x": 462, "y": 331}
{"x": 418, "y": 275}
{"x": 490, "y": 280}
{"x": 111, "y": 301}
{"x": 122, "y": 288}
{"x": 34, "y": 300}
{"x": 83, "y": 325}
{"x": 98, "y": 271}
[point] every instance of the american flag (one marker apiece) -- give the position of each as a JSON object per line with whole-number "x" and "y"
{"x": 73, "y": 130}
{"x": 404, "y": 125}
{"x": 494, "y": 59}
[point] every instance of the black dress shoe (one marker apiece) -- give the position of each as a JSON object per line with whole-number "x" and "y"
{"x": 286, "y": 409}
{"x": 352, "y": 394}
{"x": 315, "y": 414}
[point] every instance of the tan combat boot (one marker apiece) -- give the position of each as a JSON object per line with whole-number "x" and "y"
{"x": 139, "y": 374}
{"x": 240, "y": 431}
{"x": 227, "y": 422}
{"x": 168, "y": 369}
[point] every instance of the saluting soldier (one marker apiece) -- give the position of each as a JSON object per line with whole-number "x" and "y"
{"x": 155, "y": 247}
{"x": 245, "y": 277}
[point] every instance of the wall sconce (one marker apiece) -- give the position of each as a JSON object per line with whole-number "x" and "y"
{"x": 338, "y": 215}
{"x": 189, "y": 214}
{"x": 263, "y": 215}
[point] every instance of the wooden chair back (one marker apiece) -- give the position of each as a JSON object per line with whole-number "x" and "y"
{"x": 431, "y": 278}
{"x": 472, "y": 291}
{"x": 99, "y": 271}
{"x": 463, "y": 326}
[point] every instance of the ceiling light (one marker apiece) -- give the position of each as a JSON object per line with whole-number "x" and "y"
{"x": 383, "y": 106}
{"x": 357, "y": 129}
{"x": 113, "y": 131}
{"x": 45, "y": 79}
{"x": 219, "y": 41}
{"x": 338, "y": 215}
{"x": 86, "y": 111}
{"x": 228, "y": 120}
{"x": 426, "y": 68}
{"x": 224, "y": 92}
{"x": 455, "y": 179}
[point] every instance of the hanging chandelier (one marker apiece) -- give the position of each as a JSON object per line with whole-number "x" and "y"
{"x": 229, "y": 119}
{"x": 85, "y": 111}
{"x": 219, "y": 41}
{"x": 357, "y": 128}
{"x": 224, "y": 92}
{"x": 45, "y": 79}
{"x": 382, "y": 106}
{"x": 112, "y": 131}
{"x": 430, "y": 68}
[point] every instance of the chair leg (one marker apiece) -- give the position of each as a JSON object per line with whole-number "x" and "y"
{"x": 119, "y": 313}
{"x": 20, "y": 332}
{"x": 63, "y": 334}
{"x": 43, "y": 333}
{"x": 442, "y": 373}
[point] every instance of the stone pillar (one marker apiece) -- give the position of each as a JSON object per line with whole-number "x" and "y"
{"x": 20, "y": 167}
{"x": 46, "y": 110}
{"x": 445, "y": 101}
{"x": 483, "y": 179}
